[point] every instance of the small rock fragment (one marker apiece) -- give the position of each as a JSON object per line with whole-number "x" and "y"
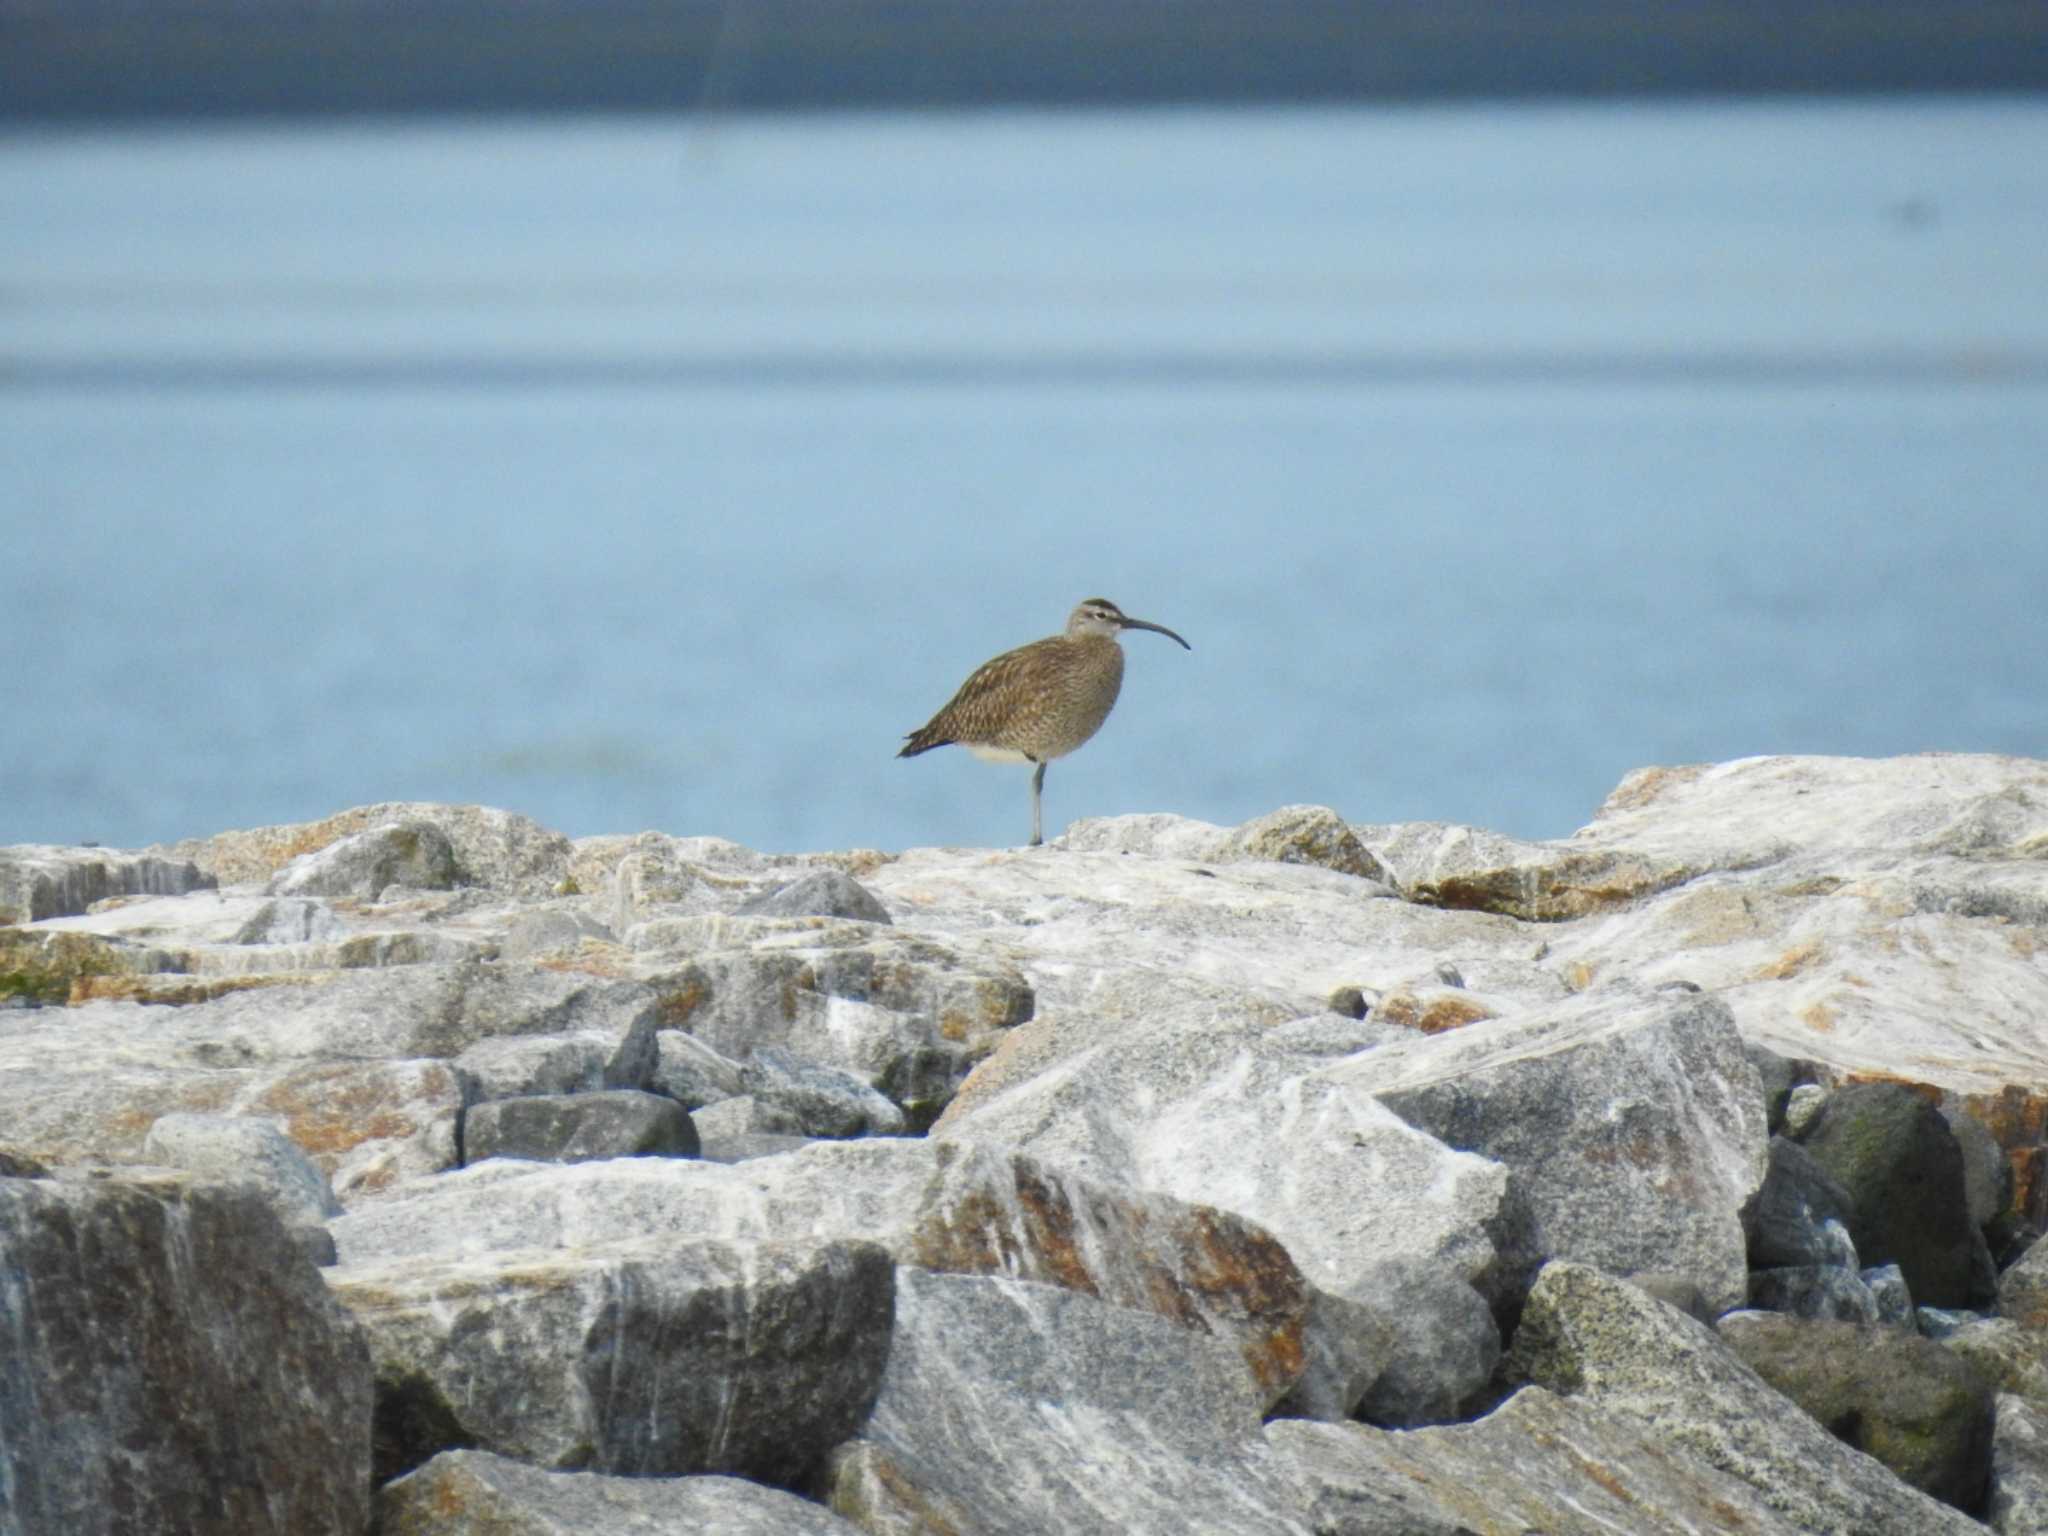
{"x": 578, "y": 1127}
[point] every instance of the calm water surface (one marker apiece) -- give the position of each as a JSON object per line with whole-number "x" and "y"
{"x": 664, "y": 473}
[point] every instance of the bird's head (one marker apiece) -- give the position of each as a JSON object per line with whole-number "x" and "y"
{"x": 1099, "y": 616}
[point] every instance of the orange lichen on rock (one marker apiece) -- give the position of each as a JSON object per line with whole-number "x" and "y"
{"x": 1433, "y": 1013}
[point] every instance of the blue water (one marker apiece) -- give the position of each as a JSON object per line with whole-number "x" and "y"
{"x": 663, "y": 473}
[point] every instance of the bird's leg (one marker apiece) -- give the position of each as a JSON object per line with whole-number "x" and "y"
{"x": 1037, "y": 788}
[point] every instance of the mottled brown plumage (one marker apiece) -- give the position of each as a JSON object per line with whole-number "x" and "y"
{"x": 1041, "y": 700}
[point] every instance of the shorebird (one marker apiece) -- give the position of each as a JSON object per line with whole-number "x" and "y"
{"x": 1040, "y": 701}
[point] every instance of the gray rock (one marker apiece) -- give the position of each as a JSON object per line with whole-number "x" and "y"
{"x": 474, "y": 1493}
{"x": 1802, "y": 1107}
{"x": 1493, "y": 1476}
{"x": 515, "y": 1066}
{"x": 1346, "y": 1347}
{"x": 1903, "y": 1169}
{"x": 1257, "y": 1115}
{"x": 289, "y": 920}
{"x": 1757, "y": 811}
{"x": 578, "y": 1127}
{"x": 468, "y": 1003}
{"x": 415, "y": 854}
{"x": 238, "y": 1147}
{"x": 1980, "y": 893}
{"x": 746, "y": 1146}
{"x": 410, "y": 1012}
{"x": 940, "y": 1206}
{"x": 1940, "y": 1322}
{"x": 84, "y": 1084}
{"x": 651, "y": 874}
{"x": 19, "y": 1165}
{"x": 1873, "y": 917}
{"x": 48, "y": 965}
{"x": 494, "y": 849}
{"x": 1143, "y": 927}
{"x": 1311, "y": 836}
{"x": 172, "y": 1364}
{"x": 1303, "y": 834}
{"x": 577, "y": 1061}
{"x": 369, "y": 1125}
{"x": 1904, "y": 1400}
{"x": 1632, "y": 1125}
{"x": 1013, "y": 1407}
{"x": 692, "y": 1073}
{"x": 1894, "y": 1298}
{"x": 2023, "y": 1288}
{"x": 817, "y": 1100}
{"x": 909, "y": 1016}
{"x": 821, "y": 893}
{"x": 549, "y": 931}
{"x": 1445, "y": 1344}
{"x": 2014, "y": 1359}
{"x": 1801, "y": 1214}
{"x": 1469, "y": 869}
{"x": 2009, "y": 1237}
{"x": 1814, "y": 1291}
{"x": 1677, "y": 1291}
{"x": 1779, "y": 1075}
{"x": 39, "y": 881}
{"x": 731, "y": 1121}
{"x": 1809, "y": 871}
{"x": 1586, "y": 1334}
{"x": 1350, "y": 1002}
{"x": 1987, "y": 1171}
{"x": 2018, "y": 1505}
{"x": 650, "y": 1358}
{"x": 985, "y": 1210}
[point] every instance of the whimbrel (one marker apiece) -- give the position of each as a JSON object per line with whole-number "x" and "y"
{"x": 1040, "y": 701}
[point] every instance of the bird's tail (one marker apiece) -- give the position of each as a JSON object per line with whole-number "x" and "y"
{"x": 923, "y": 739}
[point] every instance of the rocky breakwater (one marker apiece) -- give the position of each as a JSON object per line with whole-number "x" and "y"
{"x": 425, "y": 1171}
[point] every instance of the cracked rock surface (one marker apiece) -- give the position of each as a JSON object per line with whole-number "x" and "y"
{"x": 1311, "y": 1175}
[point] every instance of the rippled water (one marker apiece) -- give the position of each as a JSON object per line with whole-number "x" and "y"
{"x": 664, "y": 473}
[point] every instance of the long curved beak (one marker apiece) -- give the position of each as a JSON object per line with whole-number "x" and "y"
{"x": 1125, "y": 621}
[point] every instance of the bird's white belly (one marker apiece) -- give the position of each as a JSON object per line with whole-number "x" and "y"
{"x": 996, "y": 754}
